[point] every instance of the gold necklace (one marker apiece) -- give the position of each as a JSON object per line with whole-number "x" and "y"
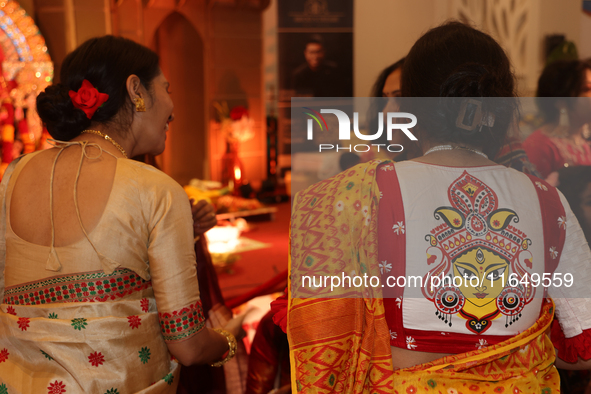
{"x": 111, "y": 140}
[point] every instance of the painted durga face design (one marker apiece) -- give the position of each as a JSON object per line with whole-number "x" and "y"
{"x": 486, "y": 270}
{"x": 473, "y": 252}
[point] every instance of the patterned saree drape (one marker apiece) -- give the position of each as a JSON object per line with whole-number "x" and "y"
{"x": 340, "y": 340}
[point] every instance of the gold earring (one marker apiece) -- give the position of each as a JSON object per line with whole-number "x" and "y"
{"x": 140, "y": 106}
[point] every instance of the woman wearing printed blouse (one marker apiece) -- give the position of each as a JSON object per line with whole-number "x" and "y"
{"x": 451, "y": 213}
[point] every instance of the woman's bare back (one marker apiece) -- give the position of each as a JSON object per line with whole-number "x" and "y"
{"x": 403, "y": 358}
{"x": 30, "y": 201}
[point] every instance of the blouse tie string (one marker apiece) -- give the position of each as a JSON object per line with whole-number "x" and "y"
{"x": 53, "y": 263}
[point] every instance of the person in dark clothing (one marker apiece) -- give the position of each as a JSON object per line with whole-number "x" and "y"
{"x": 317, "y": 77}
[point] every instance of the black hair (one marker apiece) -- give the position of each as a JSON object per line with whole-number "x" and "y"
{"x": 562, "y": 78}
{"x": 348, "y": 160}
{"x": 314, "y": 39}
{"x": 378, "y": 86}
{"x": 572, "y": 182}
{"x": 377, "y": 100}
{"x": 106, "y": 62}
{"x": 457, "y": 60}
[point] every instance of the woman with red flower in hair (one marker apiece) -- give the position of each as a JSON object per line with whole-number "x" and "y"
{"x": 97, "y": 261}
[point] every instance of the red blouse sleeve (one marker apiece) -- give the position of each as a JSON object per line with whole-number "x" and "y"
{"x": 570, "y": 349}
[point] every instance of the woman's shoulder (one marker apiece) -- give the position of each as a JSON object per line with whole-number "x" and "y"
{"x": 346, "y": 178}
{"x": 149, "y": 180}
{"x": 147, "y": 174}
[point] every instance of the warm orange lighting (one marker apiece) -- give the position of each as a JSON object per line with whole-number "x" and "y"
{"x": 222, "y": 239}
{"x": 237, "y": 174}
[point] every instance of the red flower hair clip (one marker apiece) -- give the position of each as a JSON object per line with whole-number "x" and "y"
{"x": 88, "y": 99}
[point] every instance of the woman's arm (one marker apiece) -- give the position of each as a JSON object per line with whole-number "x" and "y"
{"x": 579, "y": 365}
{"x": 172, "y": 265}
{"x": 571, "y": 332}
{"x": 206, "y": 346}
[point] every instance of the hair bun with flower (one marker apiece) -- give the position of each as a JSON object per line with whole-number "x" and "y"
{"x": 88, "y": 98}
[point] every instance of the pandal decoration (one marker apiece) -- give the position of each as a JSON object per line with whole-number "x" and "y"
{"x": 26, "y": 71}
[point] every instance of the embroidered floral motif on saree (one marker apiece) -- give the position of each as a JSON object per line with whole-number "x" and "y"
{"x": 85, "y": 287}
{"x": 179, "y": 325}
{"x": 78, "y": 353}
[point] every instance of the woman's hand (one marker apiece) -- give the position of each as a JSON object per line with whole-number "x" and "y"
{"x": 234, "y": 325}
{"x": 203, "y": 217}
{"x": 208, "y": 345}
{"x": 282, "y": 390}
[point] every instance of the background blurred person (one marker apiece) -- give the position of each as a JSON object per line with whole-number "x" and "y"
{"x": 318, "y": 76}
{"x": 268, "y": 363}
{"x": 560, "y": 141}
{"x": 206, "y": 379}
{"x": 384, "y": 94}
{"x": 575, "y": 184}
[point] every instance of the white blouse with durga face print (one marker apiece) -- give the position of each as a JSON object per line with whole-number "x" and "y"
{"x": 474, "y": 251}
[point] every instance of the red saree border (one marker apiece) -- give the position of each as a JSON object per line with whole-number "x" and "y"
{"x": 182, "y": 324}
{"x": 93, "y": 286}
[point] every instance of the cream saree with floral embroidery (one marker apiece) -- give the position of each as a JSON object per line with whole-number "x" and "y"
{"x": 85, "y": 348}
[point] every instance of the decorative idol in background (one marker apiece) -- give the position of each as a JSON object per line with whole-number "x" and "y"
{"x": 237, "y": 127}
{"x": 26, "y": 70}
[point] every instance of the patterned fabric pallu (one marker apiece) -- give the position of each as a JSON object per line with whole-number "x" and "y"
{"x": 98, "y": 331}
{"x": 340, "y": 339}
{"x": 346, "y": 350}
{"x": 522, "y": 364}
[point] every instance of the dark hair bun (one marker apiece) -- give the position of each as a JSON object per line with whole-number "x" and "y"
{"x": 471, "y": 80}
{"x": 61, "y": 118}
{"x": 106, "y": 62}
{"x": 449, "y": 64}
{"x": 476, "y": 81}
